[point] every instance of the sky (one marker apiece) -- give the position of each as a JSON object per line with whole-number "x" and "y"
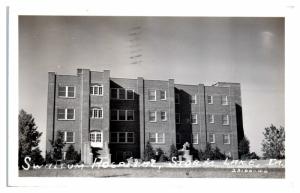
{"x": 191, "y": 50}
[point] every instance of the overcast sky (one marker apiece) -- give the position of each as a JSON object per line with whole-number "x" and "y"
{"x": 249, "y": 51}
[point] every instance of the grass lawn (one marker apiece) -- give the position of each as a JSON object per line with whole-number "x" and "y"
{"x": 155, "y": 172}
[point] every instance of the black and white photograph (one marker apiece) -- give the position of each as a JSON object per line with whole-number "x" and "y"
{"x": 117, "y": 97}
{"x": 151, "y": 97}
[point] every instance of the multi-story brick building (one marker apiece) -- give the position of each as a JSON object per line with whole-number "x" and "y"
{"x": 121, "y": 115}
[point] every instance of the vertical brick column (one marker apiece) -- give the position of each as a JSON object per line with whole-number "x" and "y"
{"x": 50, "y": 109}
{"x": 106, "y": 112}
{"x": 140, "y": 92}
{"x": 202, "y": 117}
{"x": 171, "y": 99}
{"x": 84, "y": 82}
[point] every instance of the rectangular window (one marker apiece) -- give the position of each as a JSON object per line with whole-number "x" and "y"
{"x": 122, "y": 115}
{"x": 66, "y": 91}
{"x": 156, "y": 137}
{"x": 177, "y": 100}
{"x": 163, "y": 95}
{"x": 224, "y": 100}
{"x": 194, "y": 119}
{"x": 114, "y": 115}
{"x": 211, "y": 138}
{"x": 96, "y": 90}
{"x": 114, "y": 137}
{"x": 152, "y": 95}
{"x": 130, "y": 115}
{"x": 210, "y": 99}
{"x": 225, "y": 120}
{"x": 122, "y": 137}
{"x": 69, "y": 137}
{"x": 96, "y": 113}
{"x": 130, "y": 94}
{"x": 152, "y": 116}
{"x": 114, "y": 93}
{"x": 194, "y": 99}
{"x": 226, "y": 139}
{"x": 211, "y": 118}
{"x": 195, "y": 138}
{"x": 66, "y": 114}
{"x": 177, "y": 118}
{"x": 96, "y": 136}
{"x": 122, "y": 93}
{"x": 163, "y": 115}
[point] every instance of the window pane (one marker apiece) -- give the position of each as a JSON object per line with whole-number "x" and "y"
{"x": 121, "y": 93}
{"x": 152, "y": 116}
{"x": 224, "y": 100}
{"x": 151, "y": 95}
{"x": 152, "y": 137}
{"x": 163, "y": 115}
{"x": 114, "y": 93}
{"x": 71, "y": 91}
{"x": 160, "y": 137}
{"x": 91, "y": 90}
{"x": 130, "y": 137}
{"x": 130, "y": 115}
{"x": 162, "y": 94}
{"x": 194, "y": 118}
{"x": 114, "y": 137}
{"x": 225, "y": 120}
{"x": 61, "y": 113}
{"x": 210, "y": 118}
{"x": 95, "y": 113}
{"x": 98, "y": 137}
{"x": 226, "y": 139}
{"x": 122, "y": 137}
{"x": 114, "y": 115}
{"x": 122, "y": 115}
{"x": 211, "y": 138}
{"x": 195, "y": 138}
{"x": 130, "y": 94}
{"x": 70, "y": 114}
{"x": 100, "y": 90}
{"x": 193, "y": 99}
{"x": 100, "y": 113}
{"x": 210, "y": 99}
{"x": 92, "y": 137}
{"x": 62, "y": 91}
{"x": 70, "y": 136}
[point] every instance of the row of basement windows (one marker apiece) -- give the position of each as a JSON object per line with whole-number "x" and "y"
{"x": 128, "y": 94}
{"x": 128, "y": 137}
{"x": 128, "y": 115}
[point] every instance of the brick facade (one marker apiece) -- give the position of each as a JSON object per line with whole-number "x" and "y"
{"x": 127, "y": 113}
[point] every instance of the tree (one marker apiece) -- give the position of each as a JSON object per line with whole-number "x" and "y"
{"x": 244, "y": 147}
{"x": 71, "y": 154}
{"x": 273, "y": 142}
{"x": 149, "y": 152}
{"x": 29, "y": 138}
{"x": 58, "y": 145}
{"x": 218, "y": 155}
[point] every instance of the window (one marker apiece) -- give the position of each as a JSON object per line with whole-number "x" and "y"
{"x": 226, "y": 139}
{"x": 114, "y": 93}
{"x": 163, "y": 115}
{"x": 66, "y": 91}
{"x": 195, "y": 138}
{"x": 96, "y": 90}
{"x": 122, "y": 94}
{"x": 152, "y": 95}
{"x": 152, "y": 116}
{"x": 211, "y": 118}
{"x": 177, "y": 118}
{"x": 122, "y": 115}
{"x": 211, "y": 138}
{"x": 69, "y": 137}
{"x": 66, "y": 114}
{"x": 130, "y": 94}
{"x": 157, "y": 137}
{"x": 96, "y": 136}
{"x": 210, "y": 99}
{"x": 122, "y": 137}
{"x": 163, "y": 95}
{"x": 177, "y": 100}
{"x": 194, "y": 118}
{"x": 225, "y": 120}
{"x": 224, "y": 100}
{"x": 194, "y": 99}
{"x": 96, "y": 113}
